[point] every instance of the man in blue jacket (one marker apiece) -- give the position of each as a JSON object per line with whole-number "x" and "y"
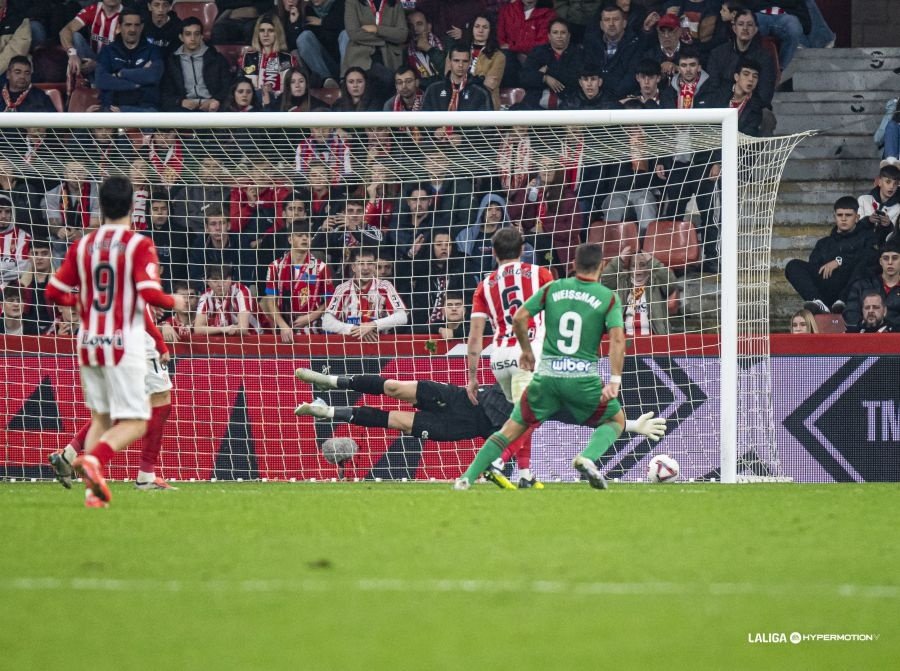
{"x": 129, "y": 70}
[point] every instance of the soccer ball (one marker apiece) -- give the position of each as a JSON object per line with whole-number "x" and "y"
{"x": 336, "y": 450}
{"x": 662, "y": 468}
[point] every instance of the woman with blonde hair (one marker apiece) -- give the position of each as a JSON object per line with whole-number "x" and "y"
{"x": 802, "y": 321}
{"x": 266, "y": 64}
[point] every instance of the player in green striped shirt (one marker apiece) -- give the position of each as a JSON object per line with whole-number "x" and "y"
{"x": 578, "y": 311}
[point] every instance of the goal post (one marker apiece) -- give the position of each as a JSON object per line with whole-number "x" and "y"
{"x": 635, "y": 181}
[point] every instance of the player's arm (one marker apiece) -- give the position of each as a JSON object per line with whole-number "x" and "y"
{"x": 616, "y": 362}
{"x": 154, "y": 332}
{"x": 61, "y": 287}
{"x": 520, "y": 327}
{"x": 473, "y": 354}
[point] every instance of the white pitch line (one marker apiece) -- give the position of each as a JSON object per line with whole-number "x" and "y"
{"x": 446, "y": 585}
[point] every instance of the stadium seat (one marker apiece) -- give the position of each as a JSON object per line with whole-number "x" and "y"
{"x": 614, "y": 236}
{"x": 232, "y": 53}
{"x": 55, "y": 93}
{"x": 205, "y": 11}
{"x": 673, "y": 243}
{"x": 510, "y": 97}
{"x": 329, "y": 96}
{"x": 50, "y": 65}
{"x": 830, "y": 323}
{"x": 82, "y": 98}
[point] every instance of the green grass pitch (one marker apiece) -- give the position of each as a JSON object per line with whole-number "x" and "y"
{"x": 416, "y": 576}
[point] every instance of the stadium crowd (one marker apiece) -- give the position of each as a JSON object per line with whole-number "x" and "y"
{"x": 342, "y": 248}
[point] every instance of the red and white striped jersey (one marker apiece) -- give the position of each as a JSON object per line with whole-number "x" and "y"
{"x": 103, "y": 28}
{"x": 15, "y": 244}
{"x": 224, "y": 310}
{"x": 300, "y": 287}
{"x": 108, "y": 268}
{"x": 502, "y": 292}
{"x": 353, "y": 305}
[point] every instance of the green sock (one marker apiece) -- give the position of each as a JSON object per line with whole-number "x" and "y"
{"x": 601, "y": 439}
{"x": 493, "y": 447}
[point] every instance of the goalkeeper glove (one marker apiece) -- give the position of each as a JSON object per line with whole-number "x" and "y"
{"x": 646, "y": 425}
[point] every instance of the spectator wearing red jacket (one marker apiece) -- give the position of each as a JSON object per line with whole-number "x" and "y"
{"x": 522, "y": 26}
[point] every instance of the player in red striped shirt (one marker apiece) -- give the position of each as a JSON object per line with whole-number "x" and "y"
{"x": 115, "y": 272}
{"x": 497, "y": 298}
{"x": 364, "y": 306}
{"x": 227, "y": 307}
{"x": 298, "y": 287}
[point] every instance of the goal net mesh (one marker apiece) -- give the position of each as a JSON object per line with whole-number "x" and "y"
{"x": 425, "y": 199}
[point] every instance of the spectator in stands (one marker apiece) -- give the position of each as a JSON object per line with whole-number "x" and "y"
{"x": 290, "y": 13}
{"x": 171, "y": 243}
{"x": 209, "y": 189}
{"x": 215, "y": 247}
{"x": 803, "y": 321}
{"x": 241, "y": 97}
{"x": 297, "y": 96}
{"x": 342, "y": 232}
{"x": 377, "y": 30}
{"x": 178, "y": 326}
{"x": 548, "y": 209}
{"x": 197, "y": 76}
{"x": 35, "y": 279}
{"x": 327, "y": 146}
{"x": 880, "y": 208}
{"x": 298, "y": 286}
{"x": 14, "y": 244}
{"x": 381, "y": 196}
{"x": 424, "y": 50}
{"x": 687, "y": 81}
{"x": 521, "y": 27}
{"x": 886, "y": 282}
{"x": 46, "y": 18}
{"x": 102, "y": 20}
{"x": 579, "y": 14}
{"x": 646, "y": 290}
{"x": 458, "y": 91}
{"x": 16, "y": 321}
{"x": 317, "y": 44}
{"x": 742, "y": 94}
{"x": 666, "y": 47}
{"x": 129, "y": 70}
{"x": 697, "y": 17}
{"x": 874, "y": 313}
{"x": 786, "y": 20}
{"x": 71, "y": 206}
{"x": 414, "y": 223}
{"x": 823, "y": 280}
{"x": 15, "y": 32}
{"x": 615, "y": 51}
{"x": 552, "y": 69}
{"x": 226, "y": 307}
{"x": 67, "y": 322}
{"x": 26, "y": 197}
{"x": 745, "y": 44}
{"x": 364, "y": 306}
{"x": 237, "y": 19}
{"x": 17, "y": 94}
{"x": 452, "y": 196}
{"x": 474, "y": 242}
{"x": 267, "y": 62}
{"x": 450, "y": 19}
{"x": 648, "y": 76}
{"x": 723, "y": 32}
{"x": 325, "y": 195}
{"x": 630, "y": 184}
{"x": 455, "y": 325}
{"x": 162, "y": 27}
{"x": 409, "y": 94}
{"x": 590, "y": 94}
{"x": 166, "y": 155}
{"x": 488, "y": 61}
{"x": 139, "y": 174}
{"x": 356, "y": 93}
{"x": 431, "y": 277}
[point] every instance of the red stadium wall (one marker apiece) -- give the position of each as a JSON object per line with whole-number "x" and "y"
{"x": 233, "y": 410}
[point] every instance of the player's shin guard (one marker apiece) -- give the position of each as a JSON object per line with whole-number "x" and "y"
{"x": 491, "y": 449}
{"x": 153, "y": 438}
{"x": 365, "y": 384}
{"x": 365, "y": 416}
{"x": 601, "y": 439}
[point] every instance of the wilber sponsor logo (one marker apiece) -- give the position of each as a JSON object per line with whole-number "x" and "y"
{"x": 568, "y": 365}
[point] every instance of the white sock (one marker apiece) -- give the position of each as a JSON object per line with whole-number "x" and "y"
{"x": 525, "y": 473}
{"x": 144, "y": 476}
{"x": 69, "y": 453}
{"x": 498, "y": 464}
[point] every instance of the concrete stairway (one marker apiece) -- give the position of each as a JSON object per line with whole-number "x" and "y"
{"x": 840, "y": 92}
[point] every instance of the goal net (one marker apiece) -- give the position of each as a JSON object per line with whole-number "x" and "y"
{"x": 400, "y": 209}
